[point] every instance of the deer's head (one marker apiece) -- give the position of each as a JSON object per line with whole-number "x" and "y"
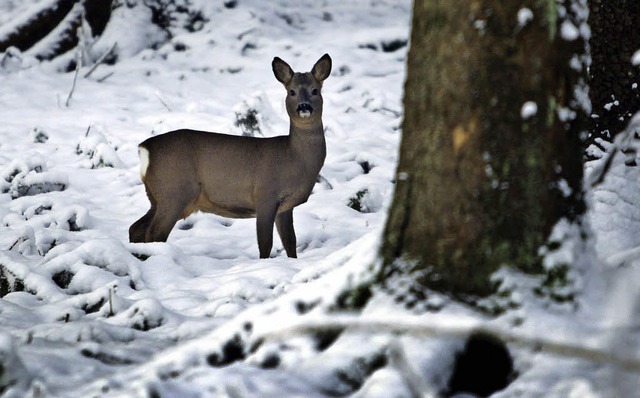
{"x": 304, "y": 90}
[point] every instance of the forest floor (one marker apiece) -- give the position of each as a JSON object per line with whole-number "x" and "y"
{"x": 85, "y": 313}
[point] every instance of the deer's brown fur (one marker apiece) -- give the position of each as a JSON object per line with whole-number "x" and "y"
{"x": 235, "y": 176}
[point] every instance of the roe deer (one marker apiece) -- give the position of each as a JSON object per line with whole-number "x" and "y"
{"x": 239, "y": 177}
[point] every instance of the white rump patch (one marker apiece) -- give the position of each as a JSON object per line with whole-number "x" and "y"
{"x": 144, "y": 161}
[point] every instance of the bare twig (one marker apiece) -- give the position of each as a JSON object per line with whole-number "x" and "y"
{"x": 389, "y": 110}
{"x": 101, "y": 60}
{"x": 323, "y": 179}
{"x": 75, "y": 78}
{"x": 15, "y": 243}
{"x": 112, "y": 292}
{"x": 105, "y": 77}
{"x": 246, "y": 32}
{"x": 162, "y": 102}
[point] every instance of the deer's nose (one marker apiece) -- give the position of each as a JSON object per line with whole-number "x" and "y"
{"x": 304, "y": 110}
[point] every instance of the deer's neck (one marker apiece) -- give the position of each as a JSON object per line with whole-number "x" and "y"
{"x": 309, "y": 143}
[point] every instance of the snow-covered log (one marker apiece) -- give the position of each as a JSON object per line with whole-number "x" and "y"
{"x": 50, "y": 28}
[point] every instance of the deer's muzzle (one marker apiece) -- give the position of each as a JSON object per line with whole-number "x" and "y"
{"x": 304, "y": 110}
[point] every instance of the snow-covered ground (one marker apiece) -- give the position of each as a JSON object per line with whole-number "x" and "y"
{"x": 93, "y": 315}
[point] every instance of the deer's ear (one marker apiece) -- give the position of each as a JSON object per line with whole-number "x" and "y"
{"x": 322, "y": 69}
{"x": 282, "y": 71}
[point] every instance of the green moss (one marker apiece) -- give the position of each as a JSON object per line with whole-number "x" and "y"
{"x": 551, "y": 17}
{"x": 356, "y": 202}
{"x": 552, "y": 106}
{"x": 355, "y": 297}
{"x": 557, "y": 285}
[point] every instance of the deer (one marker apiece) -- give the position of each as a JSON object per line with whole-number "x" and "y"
{"x": 233, "y": 176}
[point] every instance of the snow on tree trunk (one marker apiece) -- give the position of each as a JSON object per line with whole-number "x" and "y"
{"x": 491, "y": 156}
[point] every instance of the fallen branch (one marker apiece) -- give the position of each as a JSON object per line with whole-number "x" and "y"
{"x": 461, "y": 330}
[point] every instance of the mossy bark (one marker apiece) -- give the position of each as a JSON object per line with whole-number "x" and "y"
{"x": 479, "y": 184}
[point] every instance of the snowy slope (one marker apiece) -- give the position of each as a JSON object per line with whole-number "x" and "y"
{"x": 92, "y": 315}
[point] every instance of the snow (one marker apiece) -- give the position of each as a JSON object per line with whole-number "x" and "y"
{"x": 525, "y": 15}
{"x": 528, "y": 110}
{"x": 611, "y": 104}
{"x": 635, "y": 58}
{"x": 90, "y": 314}
{"x": 569, "y": 31}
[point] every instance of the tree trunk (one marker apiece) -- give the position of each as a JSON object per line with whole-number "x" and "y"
{"x": 490, "y": 158}
{"x": 614, "y": 90}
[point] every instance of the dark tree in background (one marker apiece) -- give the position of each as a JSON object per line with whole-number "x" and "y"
{"x": 57, "y": 21}
{"x": 614, "y": 81}
{"x": 50, "y": 30}
{"x": 491, "y": 155}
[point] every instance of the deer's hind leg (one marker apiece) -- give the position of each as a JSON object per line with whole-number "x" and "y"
{"x": 138, "y": 230}
{"x": 174, "y": 205}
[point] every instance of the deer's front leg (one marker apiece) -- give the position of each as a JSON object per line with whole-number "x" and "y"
{"x": 266, "y": 215}
{"x": 284, "y": 224}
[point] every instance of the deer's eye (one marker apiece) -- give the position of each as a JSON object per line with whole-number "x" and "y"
{"x": 292, "y": 93}
{"x": 315, "y": 91}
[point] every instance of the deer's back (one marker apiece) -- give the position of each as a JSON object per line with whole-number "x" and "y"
{"x": 233, "y": 173}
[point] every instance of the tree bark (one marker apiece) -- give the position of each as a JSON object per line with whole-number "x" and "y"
{"x": 482, "y": 177}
